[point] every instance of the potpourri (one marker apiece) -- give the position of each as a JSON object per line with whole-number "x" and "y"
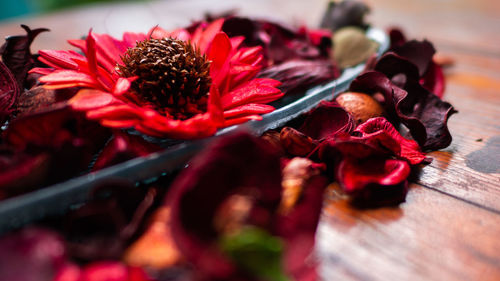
{"x": 246, "y": 207}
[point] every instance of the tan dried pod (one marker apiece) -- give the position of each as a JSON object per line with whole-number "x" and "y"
{"x": 351, "y": 46}
{"x": 360, "y": 105}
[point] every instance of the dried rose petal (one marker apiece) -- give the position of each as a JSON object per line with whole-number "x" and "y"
{"x": 32, "y": 254}
{"x": 280, "y": 43}
{"x": 16, "y": 53}
{"x": 296, "y": 75}
{"x": 296, "y": 143}
{"x": 123, "y": 147}
{"x": 380, "y": 132}
{"x": 102, "y": 271}
{"x": 232, "y": 165}
{"x": 417, "y": 52}
{"x": 298, "y": 228}
{"x": 103, "y": 228}
{"x": 21, "y": 172}
{"x": 422, "y": 112}
{"x": 9, "y": 91}
{"x": 366, "y": 172}
{"x": 434, "y": 80}
{"x": 327, "y": 120}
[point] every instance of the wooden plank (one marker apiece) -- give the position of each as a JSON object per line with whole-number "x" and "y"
{"x": 470, "y": 167}
{"x": 431, "y": 236}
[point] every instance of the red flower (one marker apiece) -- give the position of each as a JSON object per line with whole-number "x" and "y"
{"x": 164, "y": 84}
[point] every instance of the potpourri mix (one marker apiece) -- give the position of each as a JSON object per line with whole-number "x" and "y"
{"x": 246, "y": 207}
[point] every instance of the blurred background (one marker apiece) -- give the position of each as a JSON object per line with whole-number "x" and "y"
{"x": 16, "y": 8}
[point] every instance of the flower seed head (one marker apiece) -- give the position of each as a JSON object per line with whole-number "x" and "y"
{"x": 173, "y": 77}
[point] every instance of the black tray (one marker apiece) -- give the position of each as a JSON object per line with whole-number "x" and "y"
{"x": 56, "y": 199}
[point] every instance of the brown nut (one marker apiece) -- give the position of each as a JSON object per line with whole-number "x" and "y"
{"x": 361, "y": 106}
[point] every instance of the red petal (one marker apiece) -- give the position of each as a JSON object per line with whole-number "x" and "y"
{"x": 380, "y": 132}
{"x": 218, "y": 55}
{"x": 203, "y": 38}
{"x": 247, "y": 109}
{"x": 434, "y": 80}
{"x": 59, "y": 59}
{"x": 122, "y": 85}
{"x": 215, "y": 106}
{"x": 255, "y": 91}
{"x": 91, "y": 99}
{"x": 68, "y": 77}
{"x": 327, "y": 120}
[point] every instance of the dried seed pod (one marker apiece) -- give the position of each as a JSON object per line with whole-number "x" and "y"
{"x": 172, "y": 75}
{"x": 361, "y": 106}
{"x": 295, "y": 176}
{"x": 351, "y": 46}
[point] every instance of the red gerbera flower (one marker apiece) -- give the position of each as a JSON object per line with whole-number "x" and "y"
{"x": 165, "y": 84}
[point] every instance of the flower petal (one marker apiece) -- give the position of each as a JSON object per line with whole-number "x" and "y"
{"x": 379, "y": 131}
{"x": 247, "y": 109}
{"x": 87, "y": 99}
{"x": 327, "y": 120}
{"x": 255, "y": 91}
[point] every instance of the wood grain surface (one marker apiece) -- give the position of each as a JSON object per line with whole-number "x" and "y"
{"x": 449, "y": 226}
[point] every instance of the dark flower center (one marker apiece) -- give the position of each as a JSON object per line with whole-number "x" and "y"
{"x": 173, "y": 77}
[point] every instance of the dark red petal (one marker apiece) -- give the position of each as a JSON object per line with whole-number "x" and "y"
{"x": 298, "y": 228}
{"x": 374, "y": 180}
{"x": 380, "y": 132}
{"x": 31, "y": 254}
{"x": 298, "y": 75}
{"x": 418, "y": 52}
{"x": 123, "y": 147}
{"x": 236, "y": 163}
{"x": 21, "y": 172}
{"x": 434, "y": 80}
{"x": 16, "y": 54}
{"x": 397, "y": 37}
{"x": 366, "y": 172}
{"x": 327, "y": 120}
{"x": 422, "y": 112}
{"x": 9, "y": 91}
{"x": 296, "y": 143}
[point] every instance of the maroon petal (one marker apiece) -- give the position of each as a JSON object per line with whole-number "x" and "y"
{"x": 397, "y": 38}
{"x": 380, "y": 132}
{"x": 32, "y": 254}
{"x": 418, "y": 52}
{"x": 21, "y": 172}
{"x": 327, "y": 120}
{"x": 9, "y": 91}
{"x": 422, "y": 112}
{"x": 298, "y": 228}
{"x": 296, "y": 143}
{"x": 16, "y": 53}
{"x": 235, "y": 164}
{"x": 123, "y": 147}
{"x": 366, "y": 172}
{"x": 298, "y": 74}
{"x": 434, "y": 80}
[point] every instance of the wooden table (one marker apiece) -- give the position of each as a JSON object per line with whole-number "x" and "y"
{"x": 449, "y": 226}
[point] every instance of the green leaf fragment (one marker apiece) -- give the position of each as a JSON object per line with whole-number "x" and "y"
{"x": 257, "y": 252}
